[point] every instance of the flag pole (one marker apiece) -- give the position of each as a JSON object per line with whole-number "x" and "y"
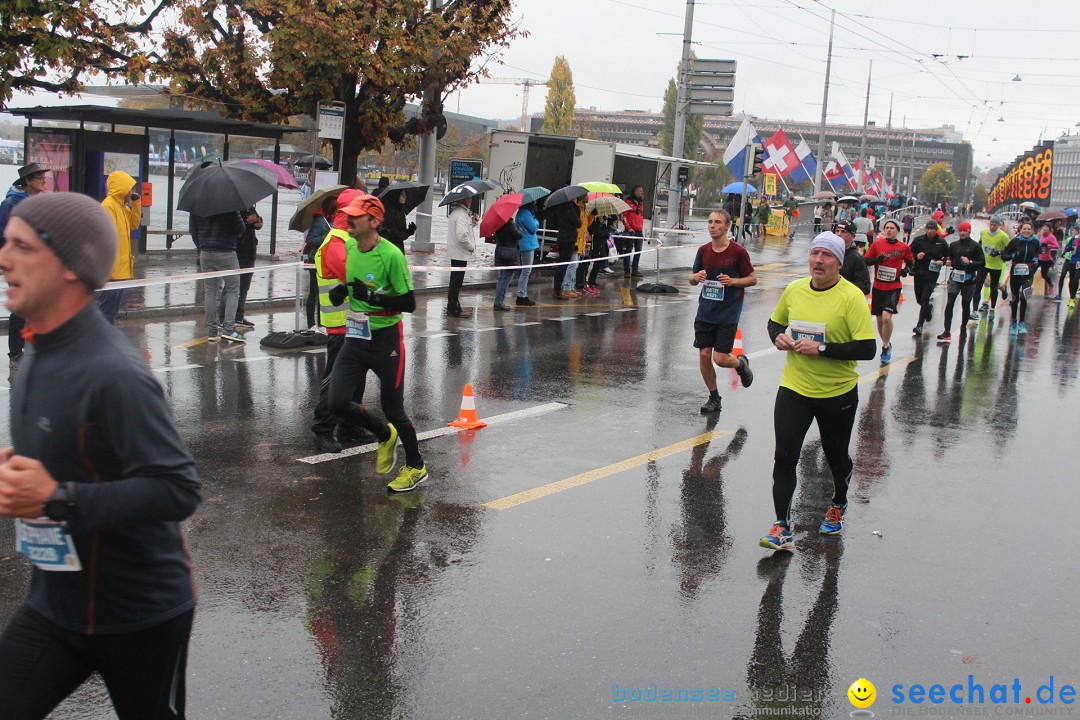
{"x": 862, "y": 146}
{"x": 746, "y": 168}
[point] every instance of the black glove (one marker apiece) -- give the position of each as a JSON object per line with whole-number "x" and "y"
{"x": 360, "y": 291}
{"x": 338, "y": 294}
{"x": 411, "y": 230}
{"x": 904, "y": 271}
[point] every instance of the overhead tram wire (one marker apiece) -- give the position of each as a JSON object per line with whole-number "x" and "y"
{"x": 926, "y": 56}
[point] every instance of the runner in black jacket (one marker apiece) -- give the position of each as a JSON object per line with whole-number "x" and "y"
{"x": 965, "y": 262}
{"x": 95, "y": 452}
{"x": 930, "y": 250}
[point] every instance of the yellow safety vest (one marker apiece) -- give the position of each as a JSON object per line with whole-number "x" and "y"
{"x": 330, "y": 315}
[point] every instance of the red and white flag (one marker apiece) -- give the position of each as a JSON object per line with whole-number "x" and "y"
{"x": 780, "y": 156}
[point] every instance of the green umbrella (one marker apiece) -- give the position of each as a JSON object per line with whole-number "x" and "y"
{"x": 602, "y": 187}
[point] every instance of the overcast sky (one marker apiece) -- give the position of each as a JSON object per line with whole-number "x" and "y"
{"x": 622, "y": 53}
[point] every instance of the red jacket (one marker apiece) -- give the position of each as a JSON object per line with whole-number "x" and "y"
{"x": 634, "y": 218}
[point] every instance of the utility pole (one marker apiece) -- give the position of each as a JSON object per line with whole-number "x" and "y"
{"x": 426, "y": 172}
{"x": 675, "y": 192}
{"x": 824, "y": 108}
{"x": 862, "y": 145}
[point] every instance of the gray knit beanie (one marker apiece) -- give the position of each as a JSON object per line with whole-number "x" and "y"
{"x": 77, "y": 229}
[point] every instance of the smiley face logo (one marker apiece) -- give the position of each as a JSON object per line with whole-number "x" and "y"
{"x": 862, "y": 693}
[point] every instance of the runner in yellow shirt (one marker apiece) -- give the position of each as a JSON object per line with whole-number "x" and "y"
{"x": 824, "y": 326}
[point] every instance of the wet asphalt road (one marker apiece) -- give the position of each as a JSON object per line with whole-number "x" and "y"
{"x": 321, "y": 596}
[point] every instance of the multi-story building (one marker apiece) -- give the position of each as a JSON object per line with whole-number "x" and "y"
{"x": 1065, "y": 185}
{"x": 901, "y": 154}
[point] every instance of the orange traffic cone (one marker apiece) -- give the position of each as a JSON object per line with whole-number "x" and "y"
{"x": 737, "y": 349}
{"x": 467, "y": 417}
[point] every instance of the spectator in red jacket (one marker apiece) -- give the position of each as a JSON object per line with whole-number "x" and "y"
{"x": 632, "y": 239}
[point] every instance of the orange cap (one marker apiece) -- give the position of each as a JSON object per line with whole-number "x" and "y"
{"x": 365, "y": 205}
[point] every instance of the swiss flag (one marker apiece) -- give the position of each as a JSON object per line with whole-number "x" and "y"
{"x": 780, "y": 157}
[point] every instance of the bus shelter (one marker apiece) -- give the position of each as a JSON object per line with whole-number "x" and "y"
{"x": 80, "y": 158}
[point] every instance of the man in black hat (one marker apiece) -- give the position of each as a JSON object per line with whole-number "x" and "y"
{"x": 854, "y": 268}
{"x": 31, "y": 181}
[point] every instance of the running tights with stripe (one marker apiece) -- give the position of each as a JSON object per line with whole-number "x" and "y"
{"x": 144, "y": 671}
{"x": 384, "y": 354}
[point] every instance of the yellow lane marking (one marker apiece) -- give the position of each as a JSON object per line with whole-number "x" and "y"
{"x": 626, "y": 299}
{"x": 587, "y": 477}
{"x": 193, "y": 343}
{"x": 884, "y": 370}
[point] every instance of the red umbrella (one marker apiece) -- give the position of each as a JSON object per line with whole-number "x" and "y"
{"x": 284, "y": 177}
{"x": 500, "y": 213}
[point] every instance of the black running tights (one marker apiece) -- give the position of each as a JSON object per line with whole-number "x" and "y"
{"x": 792, "y": 416}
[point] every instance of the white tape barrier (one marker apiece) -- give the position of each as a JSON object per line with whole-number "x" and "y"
{"x": 195, "y": 277}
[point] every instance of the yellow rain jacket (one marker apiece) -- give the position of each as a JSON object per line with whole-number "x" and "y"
{"x": 119, "y": 186}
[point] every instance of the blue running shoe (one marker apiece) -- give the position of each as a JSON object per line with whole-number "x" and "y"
{"x": 834, "y": 520}
{"x": 1013, "y": 329}
{"x": 780, "y": 537}
{"x": 886, "y": 355}
{"x": 1023, "y": 328}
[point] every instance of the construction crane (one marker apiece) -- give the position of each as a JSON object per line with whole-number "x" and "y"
{"x": 525, "y": 84}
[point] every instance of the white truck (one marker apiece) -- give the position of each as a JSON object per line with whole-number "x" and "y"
{"x": 519, "y": 160}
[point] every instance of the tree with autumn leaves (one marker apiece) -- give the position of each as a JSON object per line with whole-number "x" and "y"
{"x": 266, "y": 60}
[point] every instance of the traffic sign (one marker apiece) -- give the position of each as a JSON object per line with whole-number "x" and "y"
{"x": 712, "y": 67}
{"x": 708, "y": 81}
{"x": 712, "y": 94}
{"x": 709, "y": 108}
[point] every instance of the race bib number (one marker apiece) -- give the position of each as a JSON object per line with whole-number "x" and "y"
{"x": 811, "y": 331}
{"x": 959, "y": 276}
{"x": 886, "y": 274}
{"x": 47, "y": 545}
{"x": 357, "y": 325}
{"x": 935, "y": 266}
{"x": 712, "y": 290}
{"x": 1020, "y": 270}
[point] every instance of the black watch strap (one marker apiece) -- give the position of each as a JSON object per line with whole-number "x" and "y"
{"x": 61, "y": 506}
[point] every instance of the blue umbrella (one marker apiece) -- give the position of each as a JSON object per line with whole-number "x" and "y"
{"x": 737, "y": 188}
{"x": 1071, "y": 211}
{"x": 532, "y": 194}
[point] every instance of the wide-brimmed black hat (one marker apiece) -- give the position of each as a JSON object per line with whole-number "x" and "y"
{"x": 28, "y": 171}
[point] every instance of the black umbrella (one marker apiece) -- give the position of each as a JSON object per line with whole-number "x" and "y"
{"x": 414, "y": 194}
{"x": 469, "y": 189}
{"x": 321, "y": 163}
{"x": 565, "y": 195}
{"x": 218, "y": 188}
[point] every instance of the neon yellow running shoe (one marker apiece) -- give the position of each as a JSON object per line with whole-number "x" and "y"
{"x": 386, "y": 455}
{"x": 408, "y": 479}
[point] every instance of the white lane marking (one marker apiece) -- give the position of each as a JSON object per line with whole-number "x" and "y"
{"x": 480, "y": 330}
{"x": 315, "y": 351}
{"x": 562, "y": 319}
{"x": 526, "y": 324}
{"x": 629, "y": 309}
{"x": 596, "y": 314}
{"x": 438, "y": 335}
{"x": 439, "y": 432}
{"x": 257, "y": 358}
{"x": 172, "y": 368}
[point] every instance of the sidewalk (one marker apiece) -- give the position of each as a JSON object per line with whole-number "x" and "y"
{"x": 278, "y": 288}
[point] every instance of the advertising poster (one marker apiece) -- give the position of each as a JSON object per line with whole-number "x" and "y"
{"x": 51, "y": 149}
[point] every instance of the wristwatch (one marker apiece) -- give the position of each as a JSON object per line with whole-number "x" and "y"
{"x": 61, "y": 506}
{"x": 821, "y": 349}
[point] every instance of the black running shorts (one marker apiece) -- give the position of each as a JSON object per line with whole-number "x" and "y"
{"x": 884, "y": 301}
